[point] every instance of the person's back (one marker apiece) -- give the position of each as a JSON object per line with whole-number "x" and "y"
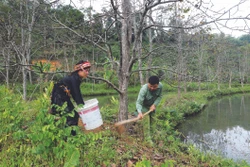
{"x": 68, "y": 90}
{"x": 68, "y": 86}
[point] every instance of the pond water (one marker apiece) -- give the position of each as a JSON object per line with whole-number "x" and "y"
{"x": 223, "y": 128}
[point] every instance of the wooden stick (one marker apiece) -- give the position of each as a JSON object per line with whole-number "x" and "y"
{"x": 130, "y": 120}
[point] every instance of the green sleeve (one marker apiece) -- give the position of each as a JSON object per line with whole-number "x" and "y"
{"x": 140, "y": 98}
{"x": 158, "y": 99}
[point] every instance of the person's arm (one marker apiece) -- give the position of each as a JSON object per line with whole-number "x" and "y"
{"x": 77, "y": 96}
{"x": 140, "y": 115}
{"x": 152, "y": 107}
{"x": 158, "y": 99}
{"x": 76, "y": 92}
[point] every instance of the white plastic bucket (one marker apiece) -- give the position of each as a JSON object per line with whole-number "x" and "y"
{"x": 90, "y": 114}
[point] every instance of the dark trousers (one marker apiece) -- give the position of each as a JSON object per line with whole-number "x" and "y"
{"x": 151, "y": 120}
{"x": 147, "y": 125}
{"x": 59, "y": 97}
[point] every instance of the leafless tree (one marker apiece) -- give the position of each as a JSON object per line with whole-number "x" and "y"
{"x": 130, "y": 51}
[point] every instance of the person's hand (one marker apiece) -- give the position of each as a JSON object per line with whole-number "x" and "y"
{"x": 152, "y": 108}
{"x": 140, "y": 116}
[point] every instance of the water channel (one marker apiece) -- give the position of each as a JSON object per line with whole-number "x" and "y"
{"x": 222, "y": 128}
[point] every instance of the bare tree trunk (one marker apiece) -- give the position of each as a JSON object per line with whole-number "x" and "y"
{"x": 7, "y": 63}
{"x": 66, "y": 59}
{"x": 7, "y": 70}
{"x": 179, "y": 50}
{"x": 7, "y": 55}
{"x": 200, "y": 58}
{"x": 218, "y": 72}
{"x": 24, "y": 72}
{"x": 140, "y": 61}
{"x": 230, "y": 79}
{"x": 244, "y": 68}
{"x": 138, "y": 47}
{"x": 24, "y": 51}
{"x": 150, "y": 38}
{"x": 184, "y": 71}
{"x": 30, "y": 28}
{"x": 28, "y": 53}
{"x": 126, "y": 32}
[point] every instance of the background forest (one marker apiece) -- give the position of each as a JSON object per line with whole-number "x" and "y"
{"x": 43, "y": 40}
{"x": 126, "y": 43}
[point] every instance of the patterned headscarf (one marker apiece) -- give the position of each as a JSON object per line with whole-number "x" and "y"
{"x": 81, "y": 66}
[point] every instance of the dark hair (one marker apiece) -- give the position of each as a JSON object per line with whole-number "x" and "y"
{"x": 153, "y": 80}
{"x": 81, "y": 62}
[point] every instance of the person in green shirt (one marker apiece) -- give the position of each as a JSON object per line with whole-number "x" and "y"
{"x": 148, "y": 98}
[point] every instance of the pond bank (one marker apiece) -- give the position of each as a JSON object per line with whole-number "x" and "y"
{"x": 174, "y": 111}
{"x": 196, "y": 102}
{"x": 223, "y": 127}
{"x": 43, "y": 141}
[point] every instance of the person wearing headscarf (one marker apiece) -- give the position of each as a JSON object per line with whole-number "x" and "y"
{"x": 68, "y": 90}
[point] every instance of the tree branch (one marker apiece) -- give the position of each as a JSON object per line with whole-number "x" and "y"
{"x": 108, "y": 82}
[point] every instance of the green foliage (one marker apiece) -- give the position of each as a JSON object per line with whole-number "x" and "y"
{"x": 169, "y": 163}
{"x": 143, "y": 163}
{"x": 31, "y": 137}
{"x": 189, "y": 107}
{"x": 192, "y": 86}
{"x": 41, "y": 67}
{"x": 11, "y": 122}
{"x": 103, "y": 155}
{"x": 245, "y": 38}
{"x": 109, "y": 112}
{"x": 91, "y": 89}
{"x": 217, "y": 93}
{"x": 110, "y": 74}
{"x": 168, "y": 88}
{"x": 41, "y": 140}
{"x": 69, "y": 16}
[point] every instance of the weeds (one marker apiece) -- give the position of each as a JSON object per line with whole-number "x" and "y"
{"x": 29, "y": 136}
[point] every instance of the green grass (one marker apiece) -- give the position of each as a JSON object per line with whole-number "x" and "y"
{"x": 30, "y": 136}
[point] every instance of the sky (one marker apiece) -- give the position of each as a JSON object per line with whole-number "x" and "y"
{"x": 236, "y": 11}
{"x": 215, "y": 5}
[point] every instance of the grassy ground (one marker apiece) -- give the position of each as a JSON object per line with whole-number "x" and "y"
{"x": 31, "y": 137}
